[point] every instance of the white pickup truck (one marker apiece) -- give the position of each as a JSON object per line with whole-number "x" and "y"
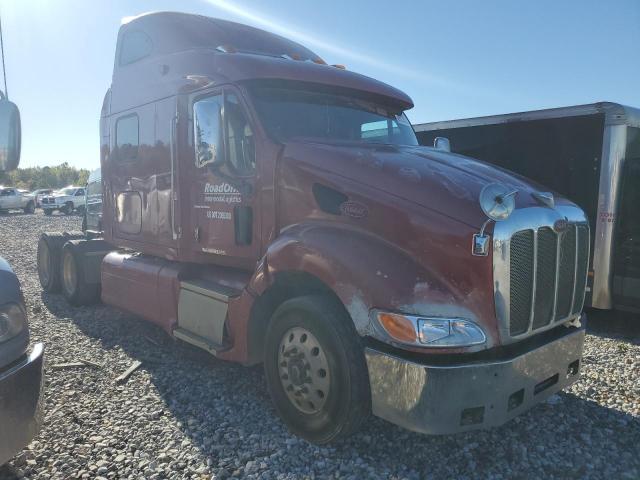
{"x": 14, "y": 199}
{"x": 66, "y": 200}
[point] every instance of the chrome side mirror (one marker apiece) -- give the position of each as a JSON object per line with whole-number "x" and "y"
{"x": 442, "y": 143}
{"x": 10, "y": 135}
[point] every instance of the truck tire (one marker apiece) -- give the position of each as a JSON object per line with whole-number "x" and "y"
{"x": 67, "y": 208}
{"x": 48, "y": 212}
{"x": 75, "y": 287}
{"x": 315, "y": 369}
{"x": 49, "y": 250}
{"x": 30, "y": 208}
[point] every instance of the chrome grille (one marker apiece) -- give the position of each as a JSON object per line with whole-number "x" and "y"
{"x": 545, "y": 277}
{"x": 539, "y": 275}
{"x": 533, "y": 290}
{"x": 521, "y": 275}
{"x": 566, "y": 272}
{"x": 583, "y": 264}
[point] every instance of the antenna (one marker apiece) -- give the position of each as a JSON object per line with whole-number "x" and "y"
{"x": 4, "y": 70}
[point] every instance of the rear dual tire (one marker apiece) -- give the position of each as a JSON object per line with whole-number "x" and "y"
{"x": 315, "y": 369}
{"x": 74, "y": 285}
{"x": 49, "y": 254}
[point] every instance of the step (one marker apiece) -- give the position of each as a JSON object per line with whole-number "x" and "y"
{"x": 198, "y": 341}
{"x": 210, "y": 289}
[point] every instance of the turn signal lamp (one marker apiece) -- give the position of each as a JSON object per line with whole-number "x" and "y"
{"x": 398, "y": 327}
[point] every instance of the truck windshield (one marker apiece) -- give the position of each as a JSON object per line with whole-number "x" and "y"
{"x": 322, "y": 114}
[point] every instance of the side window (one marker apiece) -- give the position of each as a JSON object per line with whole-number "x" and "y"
{"x": 374, "y": 130}
{"x": 80, "y": 193}
{"x": 240, "y": 142}
{"x": 135, "y": 46}
{"x": 127, "y": 137}
{"x": 207, "y": 114}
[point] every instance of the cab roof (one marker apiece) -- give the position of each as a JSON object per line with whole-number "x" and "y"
{"x": 165, "y": 53}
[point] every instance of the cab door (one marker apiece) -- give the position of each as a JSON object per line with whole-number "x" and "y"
{"x": 224, "y": 220}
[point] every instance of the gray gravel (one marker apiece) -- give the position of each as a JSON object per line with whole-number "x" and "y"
{"x": 184, "y": 414}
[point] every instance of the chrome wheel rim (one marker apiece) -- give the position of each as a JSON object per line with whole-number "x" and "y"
{"x": 69, "y": 276}
{"x": 304, "y": 370}
{"x": 43, "y": 264}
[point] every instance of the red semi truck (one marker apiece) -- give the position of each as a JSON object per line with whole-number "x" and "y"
{"x": 273, "y": 209}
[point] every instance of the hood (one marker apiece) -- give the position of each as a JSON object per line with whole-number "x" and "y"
{"x": 441, "y": 181}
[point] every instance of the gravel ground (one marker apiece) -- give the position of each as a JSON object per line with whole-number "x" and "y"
{"x": 184, "y": 414}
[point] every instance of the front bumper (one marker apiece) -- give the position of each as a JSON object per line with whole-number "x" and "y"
{"x": 21, "y": 403}
{"x": 450, "y": 399}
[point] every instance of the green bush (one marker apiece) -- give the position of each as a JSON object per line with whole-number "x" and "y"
{"x": 56, "y": 177}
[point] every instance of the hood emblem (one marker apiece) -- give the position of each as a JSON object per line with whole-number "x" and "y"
{"x": 545, "y": 198}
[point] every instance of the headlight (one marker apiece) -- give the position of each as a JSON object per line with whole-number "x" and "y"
{"x": 431, "y": 331}
{"x": 450, "y": 332}
{"x": 13, "y": 320}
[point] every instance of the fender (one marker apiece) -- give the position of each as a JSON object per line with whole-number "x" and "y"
{"x": 365, "y": 272}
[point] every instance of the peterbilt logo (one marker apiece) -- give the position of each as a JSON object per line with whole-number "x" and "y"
{"x": 561, "y": 225}
{"x": 354, "y": 209}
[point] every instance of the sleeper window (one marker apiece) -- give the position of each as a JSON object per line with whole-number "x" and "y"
{"x": 127, "y": 137}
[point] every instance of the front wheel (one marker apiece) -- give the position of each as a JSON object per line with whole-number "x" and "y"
{"x": 30, "y": 208}
{"x": 315, "y": 369}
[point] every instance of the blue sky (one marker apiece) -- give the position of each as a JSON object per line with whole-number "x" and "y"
{"x": 455, "y": 58}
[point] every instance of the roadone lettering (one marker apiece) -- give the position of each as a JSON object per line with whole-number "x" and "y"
{"x": 220, "y": 188}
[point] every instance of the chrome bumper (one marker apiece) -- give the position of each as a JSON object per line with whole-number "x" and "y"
{"x": 21, "y": 403}
{"x": 449, "y": 399}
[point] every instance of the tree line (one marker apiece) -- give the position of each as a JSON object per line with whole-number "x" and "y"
{"x": 33, "y": 178}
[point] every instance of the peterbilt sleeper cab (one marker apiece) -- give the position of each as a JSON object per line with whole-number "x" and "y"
{"x": 267, "y": 207}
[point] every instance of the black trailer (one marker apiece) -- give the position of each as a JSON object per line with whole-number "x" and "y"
{"x": 588, "y": 153}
